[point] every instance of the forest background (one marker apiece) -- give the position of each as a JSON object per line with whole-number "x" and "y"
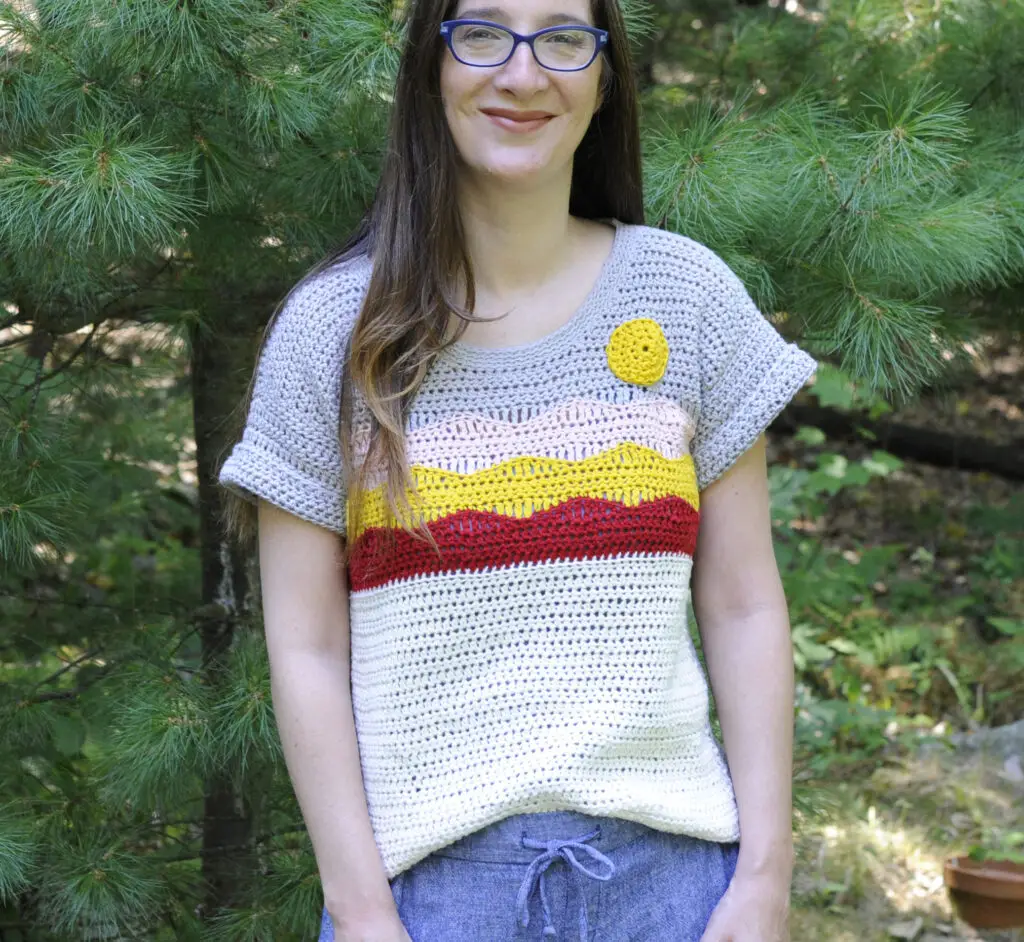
{"x": 168, "y": 171}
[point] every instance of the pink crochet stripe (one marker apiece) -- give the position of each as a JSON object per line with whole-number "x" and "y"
{"x": 574, "y": 430}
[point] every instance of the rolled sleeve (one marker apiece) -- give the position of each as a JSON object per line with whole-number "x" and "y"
{"x": 749, "y": 373}
{"x": 289, "y": 453}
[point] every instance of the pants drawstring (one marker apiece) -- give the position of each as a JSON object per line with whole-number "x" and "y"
{"x": 535, "y": 873}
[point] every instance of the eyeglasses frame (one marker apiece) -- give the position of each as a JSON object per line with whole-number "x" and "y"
{"x": 448, "y": 32}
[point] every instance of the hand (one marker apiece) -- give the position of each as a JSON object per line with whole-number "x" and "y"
{"x": 386, "y": 928}
{"x": 753, "y": 909}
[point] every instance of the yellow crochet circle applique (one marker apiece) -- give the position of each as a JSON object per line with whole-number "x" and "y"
{"x": 638, "y": 351}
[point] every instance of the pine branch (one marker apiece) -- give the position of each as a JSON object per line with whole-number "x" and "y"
{"x": 41, "y": 378}
{"x": 14, "y": 342}
{"x": 38, "y": 698}
{"x": 90, "y": 605}
{"x": 71, "y": 665}
{"x": 257, "y": 843}
{"x": 640, "y": 17}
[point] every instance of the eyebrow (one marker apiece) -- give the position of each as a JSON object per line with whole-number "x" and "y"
{"x": 495, "y": 13}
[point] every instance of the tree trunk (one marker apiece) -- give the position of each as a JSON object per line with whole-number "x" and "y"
{"x": 943, "y": 449}
{"x": 221, "y": 365}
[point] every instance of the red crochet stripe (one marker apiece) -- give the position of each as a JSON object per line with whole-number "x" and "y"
{"x": 472, "y": 540}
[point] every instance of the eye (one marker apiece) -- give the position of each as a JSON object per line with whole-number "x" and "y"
{"x": 479, "y": 34}
{"x": 573, "y": 38}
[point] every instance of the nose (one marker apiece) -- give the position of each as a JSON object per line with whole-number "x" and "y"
{"x": 522, "y": 74}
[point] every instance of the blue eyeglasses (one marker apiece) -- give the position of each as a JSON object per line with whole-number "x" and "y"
{"x": 485, "y": 45}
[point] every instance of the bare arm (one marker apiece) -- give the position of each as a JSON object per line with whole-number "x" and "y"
{"x": 744, "y": 625}
{"x": 305, "y": 606}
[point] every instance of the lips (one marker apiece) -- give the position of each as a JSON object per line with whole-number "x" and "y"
{"x": 517, "y": 115}
{"x": 518, "y": 122}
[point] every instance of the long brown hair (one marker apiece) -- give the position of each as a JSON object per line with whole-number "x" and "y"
{"x": 413, "y": 233}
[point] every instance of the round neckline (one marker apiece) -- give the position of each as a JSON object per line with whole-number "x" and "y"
{"x": 467, "y": 354}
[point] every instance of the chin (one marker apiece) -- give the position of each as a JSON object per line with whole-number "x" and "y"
{"x": 515, "y": 170}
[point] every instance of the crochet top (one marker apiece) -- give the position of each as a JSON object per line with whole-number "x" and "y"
{"x": 541, "y": 660}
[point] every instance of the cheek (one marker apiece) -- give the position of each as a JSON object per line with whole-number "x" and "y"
{"x": 583, "y": 89}
{"x": 585, "y": 100}
{"x": 457, "y": 93}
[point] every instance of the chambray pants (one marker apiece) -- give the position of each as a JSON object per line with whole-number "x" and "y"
{"x": 562, "y": 876}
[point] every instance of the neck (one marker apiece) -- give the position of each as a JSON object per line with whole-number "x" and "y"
{"x": 516, "y": 239}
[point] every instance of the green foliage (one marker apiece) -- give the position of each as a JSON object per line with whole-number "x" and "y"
{"x": 136, "y": 190}
{"x": 1000, "y": 845}
{"x": 243, "y": 719}
{"x": 157, "y": 746}
{"x": 863, "y": 223}
{"x": 18, "y": 850}
{"x": 882, "y": 648}
{"x": 866, "y": 171}
{"x": 96, "y": 890}
{"x": 834, "y": 388}
{"x": 373, "y": 37}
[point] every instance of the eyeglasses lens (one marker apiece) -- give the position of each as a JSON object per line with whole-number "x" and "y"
{"x": 565, "y": 49}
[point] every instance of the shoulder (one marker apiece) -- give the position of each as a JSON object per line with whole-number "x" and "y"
{"x": 666, "y": 258}
{"x": 313, "y": 323}
{"x": 686, "y": 281}
{"x": 327, "y": 303}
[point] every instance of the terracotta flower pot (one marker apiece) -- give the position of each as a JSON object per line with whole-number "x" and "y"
{"x": 987, "y": 894}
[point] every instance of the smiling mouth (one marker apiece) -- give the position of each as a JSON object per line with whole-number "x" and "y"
{"x": 518, "y": 124}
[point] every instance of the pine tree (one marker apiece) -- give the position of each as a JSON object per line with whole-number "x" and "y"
{"x": 167, "y": 171}
{"x": 893, "y": 224}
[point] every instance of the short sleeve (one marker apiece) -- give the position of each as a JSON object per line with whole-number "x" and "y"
{"x": 749, "y": 373}
{"x": 289, "y": 453}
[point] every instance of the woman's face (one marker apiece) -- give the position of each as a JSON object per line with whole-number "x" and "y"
{"x": 524, "y": 151}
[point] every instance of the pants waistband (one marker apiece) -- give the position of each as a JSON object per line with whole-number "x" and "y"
{"x": 502, "y": 841}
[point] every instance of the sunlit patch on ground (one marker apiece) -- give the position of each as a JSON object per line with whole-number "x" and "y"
{"x": 870, "y": 858}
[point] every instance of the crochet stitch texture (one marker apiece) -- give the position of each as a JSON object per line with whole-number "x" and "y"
{"x": 542, "y": 661}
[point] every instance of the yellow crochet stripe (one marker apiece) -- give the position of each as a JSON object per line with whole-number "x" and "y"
{"x": 520, "y": 487}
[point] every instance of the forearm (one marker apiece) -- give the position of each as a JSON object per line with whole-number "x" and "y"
{"x": 750, "y": 666}
{"x": 313, "y": 707}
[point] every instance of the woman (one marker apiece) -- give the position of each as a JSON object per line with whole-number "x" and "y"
{"x": 551, "y": 423}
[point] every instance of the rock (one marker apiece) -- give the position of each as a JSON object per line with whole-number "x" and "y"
{"x": 1005, "y": 740}
{"x": 961, "y": 821}
{"x": 1012, "y": 770}
{"x": 908, "y": 931}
